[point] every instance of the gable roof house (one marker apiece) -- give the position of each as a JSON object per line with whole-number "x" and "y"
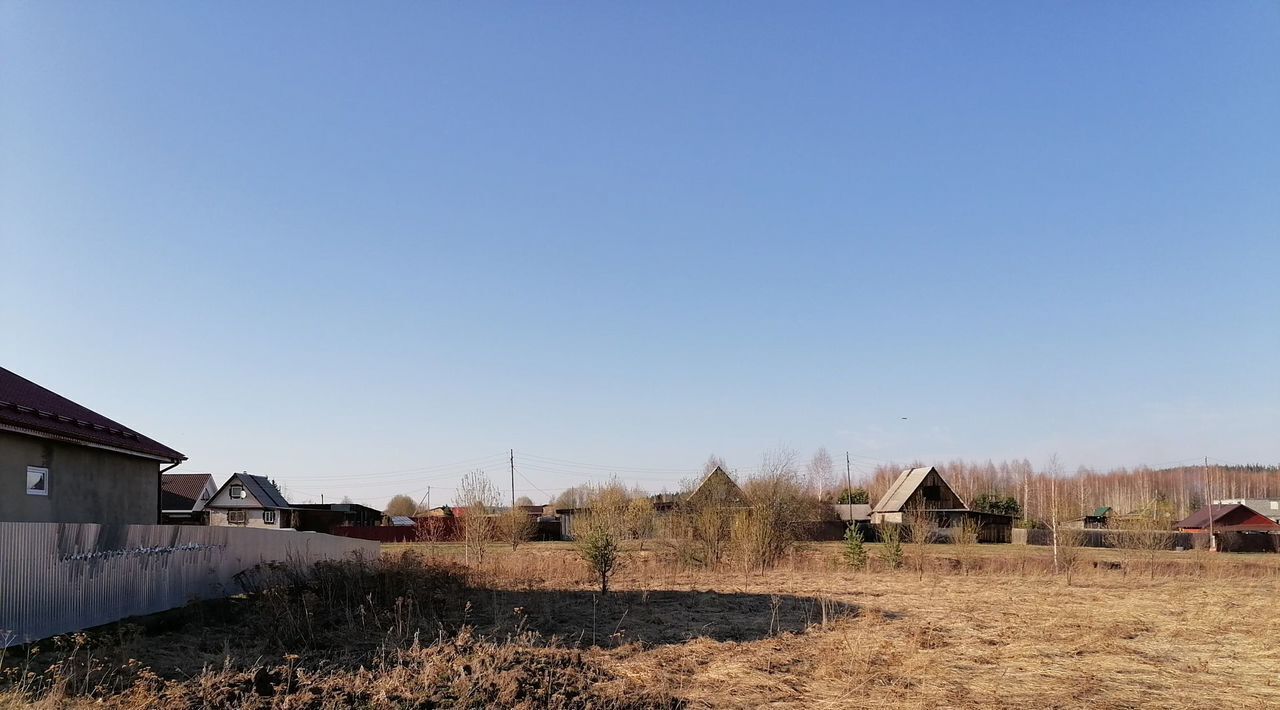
{"x": 183, "y": 497}
{"x": 1235, "y": 517}
{"x": 61, "y": 462}
{"x": 717, "y": 488}
{"x": 924, "y": 489}
{"x": 246, "y": 500}
{"x": 916, "y": 489}
{"x": 1269, "y": 507}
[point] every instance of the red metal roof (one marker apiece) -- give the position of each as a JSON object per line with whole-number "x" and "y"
{"x": 1229, "y": 518}
{"x": 24, "y": 405}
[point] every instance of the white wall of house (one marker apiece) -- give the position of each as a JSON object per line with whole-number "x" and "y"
{"x": 253, "y": 518}
{"x": 209, "y": 491}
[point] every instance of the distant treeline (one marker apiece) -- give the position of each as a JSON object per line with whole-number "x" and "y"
{"x": 1177, "y": 491}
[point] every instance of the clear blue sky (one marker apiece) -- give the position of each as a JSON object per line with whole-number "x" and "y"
{"x": 321, "y": 240}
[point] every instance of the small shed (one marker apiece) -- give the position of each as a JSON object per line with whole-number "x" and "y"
{"x": 325, "y": 517}
{"x": 1097, "y": 520}
{"x": 852, "y": 512}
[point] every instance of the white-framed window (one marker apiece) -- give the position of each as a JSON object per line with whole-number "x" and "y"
{"x": 37, "y": 481}
{"x": 269, "y": 516}
{"x": 237, "y": 517}
{"x": 236, "y": 491}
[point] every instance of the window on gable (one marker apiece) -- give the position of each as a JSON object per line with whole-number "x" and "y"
{"x": 931, "y": 493}
{"x": 269, "y": 516}
{"x": 236, "y": 491}
{"x": 237, "y": 517}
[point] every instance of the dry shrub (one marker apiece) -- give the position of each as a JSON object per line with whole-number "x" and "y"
{"x": 351, "y": 603}
{"x": 1143, "y": 537}
{"x": 890, "y": 552}
{"x": 1070, "y": 550}
{"x": 516, "y": 527}
{"x": 922, "y": 529}
{"x": 640, "y": 517}
{"x": 462, "y": 671}
{"x": 966, "y": 540}
{"x": 780, "y": 503}
{"x": 698, "y": 533}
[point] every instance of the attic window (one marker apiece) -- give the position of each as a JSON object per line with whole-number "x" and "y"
{"x": 931, "y": 493}
{"x": 236, "y": 491}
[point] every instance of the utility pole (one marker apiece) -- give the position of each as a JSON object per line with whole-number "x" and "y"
{"x": 848, "y": 478}
{"x": 1208, "y": 486}
{"x": 848, "y": 490}
{"x": 513, "y": 499}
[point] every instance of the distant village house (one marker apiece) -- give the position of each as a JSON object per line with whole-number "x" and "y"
{"x": 923, "y": 491}
{"x": 183, "y": 497}
{"x": 246, "y": 500}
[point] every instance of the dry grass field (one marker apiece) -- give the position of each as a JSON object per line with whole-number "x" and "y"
{"x": 986, "y": 628}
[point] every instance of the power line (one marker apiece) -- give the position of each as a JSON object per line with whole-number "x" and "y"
{"x": 430, "y": 467}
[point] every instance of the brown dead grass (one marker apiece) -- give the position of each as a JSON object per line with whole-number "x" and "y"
{"x": 965, "y": 642}
{"x": 1003, "y": 632}
{"x": 527, "y": 631}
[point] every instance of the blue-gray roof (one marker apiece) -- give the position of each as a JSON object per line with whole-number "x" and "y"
{"x": 263, "y": 490}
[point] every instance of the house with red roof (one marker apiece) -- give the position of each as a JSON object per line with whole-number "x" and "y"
{"x": 1228, "y": 518}
{"x": 61, "y": 462}
{"x": 183, "y": 497}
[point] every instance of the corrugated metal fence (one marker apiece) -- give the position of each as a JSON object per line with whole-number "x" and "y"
{"x": 62, "y": 577}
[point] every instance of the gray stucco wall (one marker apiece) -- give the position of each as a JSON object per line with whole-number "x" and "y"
{"x": 86, "y": 485}
{"x": 253, "y": 518}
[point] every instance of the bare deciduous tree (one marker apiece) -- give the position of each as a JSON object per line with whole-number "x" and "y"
{"x": 780, "y": 502}
{"x": 1143, "y": 535}
{"x": 478, "y": 498}
{"x": 401, "y": 505}
{"x": 713, "y": 462}
{"x": 821, "y": 473}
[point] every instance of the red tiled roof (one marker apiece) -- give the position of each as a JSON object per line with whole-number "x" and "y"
{"x": 180, "y": 491}
{"x": 27, "y": 406}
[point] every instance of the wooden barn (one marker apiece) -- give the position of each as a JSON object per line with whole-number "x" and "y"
{"x": 718, "y": 489}
{"x": 925, "y": 490}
